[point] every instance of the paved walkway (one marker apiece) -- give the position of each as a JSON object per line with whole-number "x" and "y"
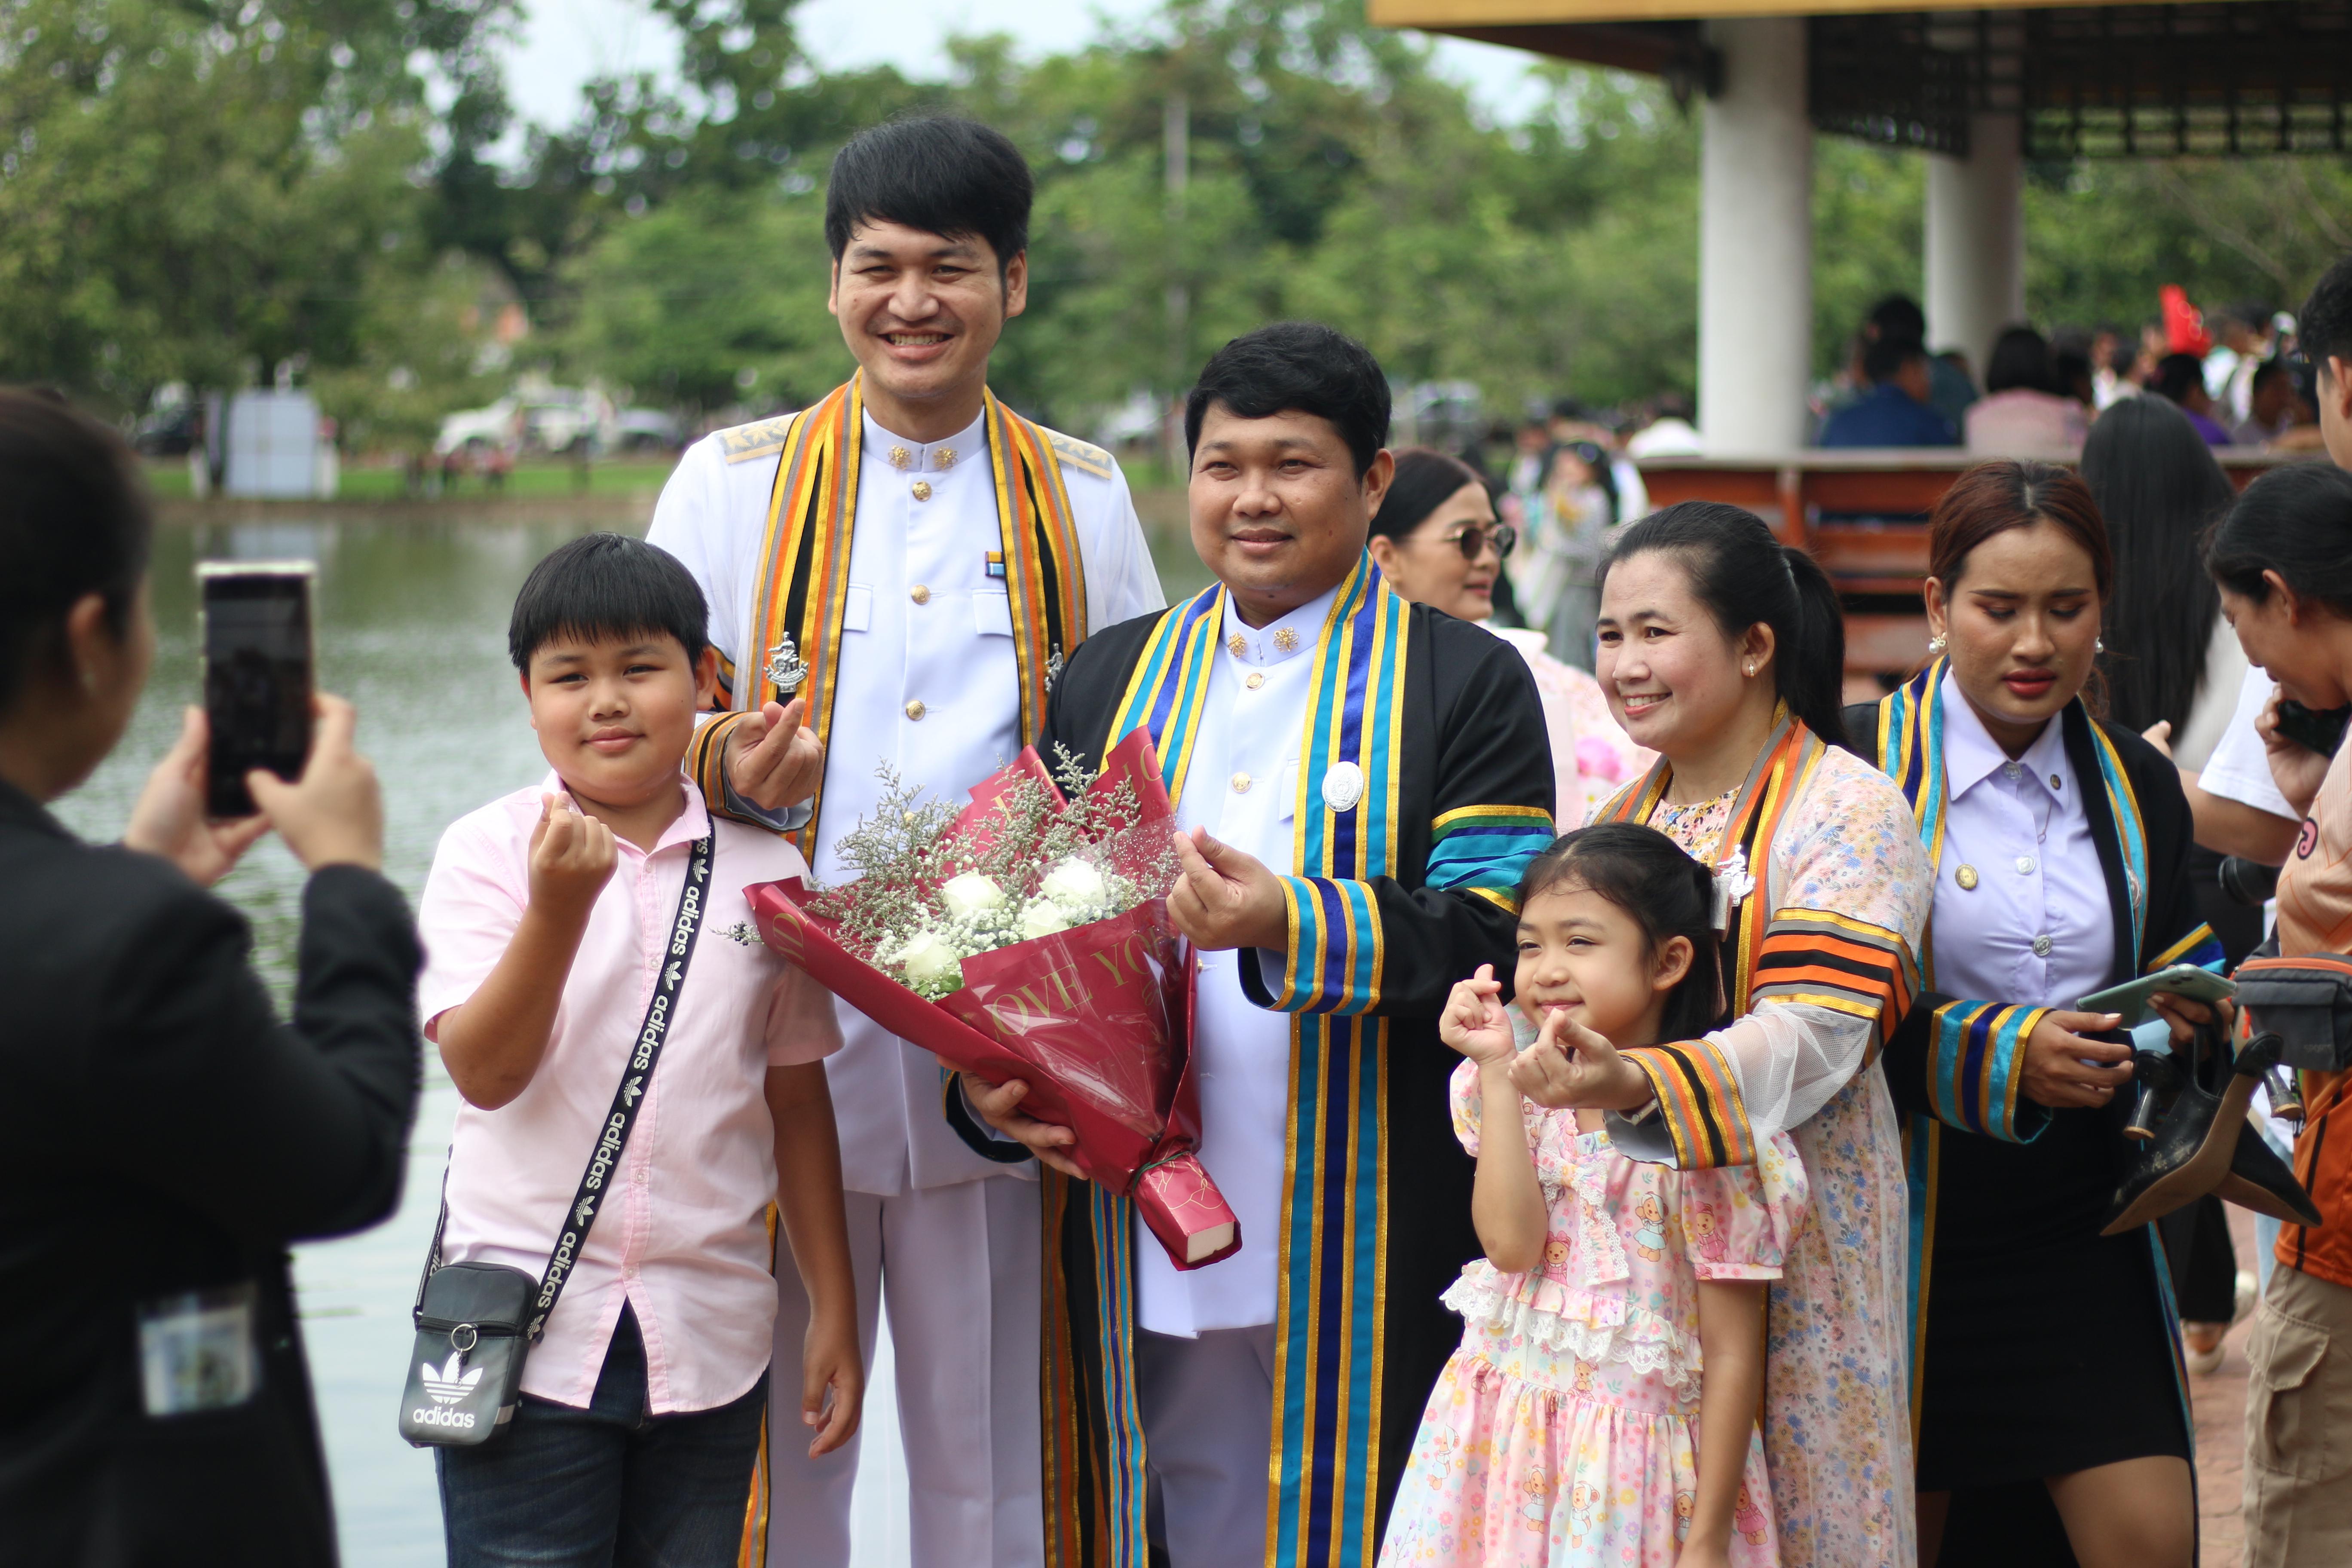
{"x": 2220, "y": 1401}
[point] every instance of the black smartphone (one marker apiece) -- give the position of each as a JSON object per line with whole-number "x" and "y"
{"x": 2322, "y": 732}
{"x": 258, "y": 674}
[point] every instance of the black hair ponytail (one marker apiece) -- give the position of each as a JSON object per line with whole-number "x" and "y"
{"x": 1746, "y": 577}
{"x": 1810, "y": 662}
{"x": 1667, "y": 893}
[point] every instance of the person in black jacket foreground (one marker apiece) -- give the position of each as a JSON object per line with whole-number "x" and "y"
{"x": 167, "y": 1135}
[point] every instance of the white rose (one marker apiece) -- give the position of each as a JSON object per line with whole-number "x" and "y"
{"x": 969, "y": 894}
{"x": 1042, "y": 917}
{"x": 926, "y": 961}
{"x": 1075, "y": 884}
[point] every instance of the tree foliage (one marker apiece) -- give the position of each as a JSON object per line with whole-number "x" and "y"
{"x": 202, "y": 189}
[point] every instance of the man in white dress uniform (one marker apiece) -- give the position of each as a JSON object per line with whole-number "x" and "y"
{"x": 895, "y": 576}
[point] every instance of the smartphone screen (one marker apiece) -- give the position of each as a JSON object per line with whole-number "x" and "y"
{"x": 257, "y": 684}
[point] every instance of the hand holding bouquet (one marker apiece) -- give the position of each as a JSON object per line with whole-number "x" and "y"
{"x": 1028, "y": 937}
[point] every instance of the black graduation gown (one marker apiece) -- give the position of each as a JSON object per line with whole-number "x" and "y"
{"x": 1454, "y": 709}
{"x": 2010, "y": 1382}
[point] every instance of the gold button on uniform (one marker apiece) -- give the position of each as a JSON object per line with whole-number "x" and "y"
{"x": 1256, "y": 678}
{"x": 2041, "y": 945}
{"x": 922, "y": 490}
{"x": 919, "y": 594}
{"x": 916, "y": 710}
{"x": 1241, "y": 784}
{"x": 1967, "y": 878}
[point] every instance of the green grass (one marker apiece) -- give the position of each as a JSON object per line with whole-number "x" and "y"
{"x": 168, "y": 478}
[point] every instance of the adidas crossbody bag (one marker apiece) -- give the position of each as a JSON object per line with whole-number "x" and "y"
{"x": 477, "y": 1322}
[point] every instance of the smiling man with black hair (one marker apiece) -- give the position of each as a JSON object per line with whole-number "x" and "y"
{"x": 1361, "y": 782}
{"x": 896, "y": 575}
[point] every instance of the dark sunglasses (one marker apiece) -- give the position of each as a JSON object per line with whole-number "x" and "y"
{"x": 1472, "y": 541}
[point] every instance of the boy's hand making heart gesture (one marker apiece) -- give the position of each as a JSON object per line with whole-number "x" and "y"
{"x": 571, "y": 858}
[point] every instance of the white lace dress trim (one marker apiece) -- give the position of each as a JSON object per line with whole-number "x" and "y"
{"x": 1591, "y": 1325}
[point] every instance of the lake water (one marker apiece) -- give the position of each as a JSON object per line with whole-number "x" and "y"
{"x": 412, "y": 621}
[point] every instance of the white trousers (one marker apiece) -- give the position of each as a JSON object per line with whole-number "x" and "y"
{"x": 1208, "y": 1437}
{"x": 959, "y": 1268}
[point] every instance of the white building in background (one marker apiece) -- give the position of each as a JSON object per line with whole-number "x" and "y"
{"x": 273, "y": 450}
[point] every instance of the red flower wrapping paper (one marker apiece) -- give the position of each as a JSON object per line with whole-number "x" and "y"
{"x": 1092, "y": 1019}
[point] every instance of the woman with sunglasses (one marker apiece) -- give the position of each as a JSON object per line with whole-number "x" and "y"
{"x": 1436, "y": 541}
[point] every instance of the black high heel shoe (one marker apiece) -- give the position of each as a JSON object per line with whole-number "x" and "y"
{"x": 2259, "y": 1180}
{"x": 2156, "y": 1077}
{"x": 2195, "y": 1144}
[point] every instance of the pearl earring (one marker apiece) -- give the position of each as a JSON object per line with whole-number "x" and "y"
{"x": 2098, "y": 645}
{"x": 1936, "y": 643}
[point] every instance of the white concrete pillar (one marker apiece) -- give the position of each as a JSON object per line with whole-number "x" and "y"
{"x": 1976, "y": 241}
{"x": 1755, "y": 241}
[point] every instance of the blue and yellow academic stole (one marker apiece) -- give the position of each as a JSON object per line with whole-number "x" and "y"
{"x": 1973, "y": 1069}
{"x": 803, "y": 585}
{"x": 1322, "y": 1502}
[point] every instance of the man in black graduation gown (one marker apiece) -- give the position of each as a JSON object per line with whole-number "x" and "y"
{"x": 1362, "y": 781}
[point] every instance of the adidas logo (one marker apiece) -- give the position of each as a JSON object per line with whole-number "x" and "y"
{"x": 447, "y": 1384}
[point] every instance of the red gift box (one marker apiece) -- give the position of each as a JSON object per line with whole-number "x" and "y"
{"x": 1091, "y": 1018}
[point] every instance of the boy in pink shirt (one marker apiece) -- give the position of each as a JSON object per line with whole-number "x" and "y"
{"x": 547, "y": 920}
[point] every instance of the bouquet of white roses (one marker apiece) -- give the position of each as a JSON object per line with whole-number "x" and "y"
{"x": 1027, "y": 936}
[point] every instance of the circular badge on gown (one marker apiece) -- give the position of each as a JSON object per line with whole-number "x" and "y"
{"x": 1343, "y": 786}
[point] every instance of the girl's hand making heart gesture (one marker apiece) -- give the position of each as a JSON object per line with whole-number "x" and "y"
{"x": 1475, "y": 1021}
{"x": 1572, "y": 1067}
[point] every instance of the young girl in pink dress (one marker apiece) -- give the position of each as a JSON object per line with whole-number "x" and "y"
{"x": 1602, "y": 1408}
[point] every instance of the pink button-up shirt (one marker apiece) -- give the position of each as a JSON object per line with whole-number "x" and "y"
{"x": 687, "y": 1243}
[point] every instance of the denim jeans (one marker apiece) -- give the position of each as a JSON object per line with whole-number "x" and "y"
{"x": 608, "y": 1487}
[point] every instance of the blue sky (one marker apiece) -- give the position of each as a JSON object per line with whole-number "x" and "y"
{"x": 563, "y": 43}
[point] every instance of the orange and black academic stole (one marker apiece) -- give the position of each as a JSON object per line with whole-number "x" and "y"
{"x": 1815, "y": 957}
{"x": 805, "y": 567}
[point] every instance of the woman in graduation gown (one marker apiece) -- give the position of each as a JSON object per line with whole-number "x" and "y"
{"x": 1723, "y": 651}
{"x": 2041, "y": 1352}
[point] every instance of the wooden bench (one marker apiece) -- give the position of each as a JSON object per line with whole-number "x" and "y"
{"x": 1861, "y": 512}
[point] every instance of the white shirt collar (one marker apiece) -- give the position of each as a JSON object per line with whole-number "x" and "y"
{"x": 925, "y": 456}
{"x": 1971, "y": 755}
{"x": 1275, "y": 641}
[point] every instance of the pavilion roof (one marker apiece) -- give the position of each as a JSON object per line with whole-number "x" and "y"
{"x": 2224, "y": 77}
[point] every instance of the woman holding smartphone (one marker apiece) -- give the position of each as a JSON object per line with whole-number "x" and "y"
{"x": 171, "y": 1135}
{"x": 2286, "y": 587}
{"x": 2041, "y": 1352}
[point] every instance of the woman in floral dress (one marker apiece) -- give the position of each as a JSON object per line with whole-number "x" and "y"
{"x": 1723, "y": 651}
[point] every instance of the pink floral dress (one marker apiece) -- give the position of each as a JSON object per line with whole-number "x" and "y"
{"x": 1562, "y": 1434}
